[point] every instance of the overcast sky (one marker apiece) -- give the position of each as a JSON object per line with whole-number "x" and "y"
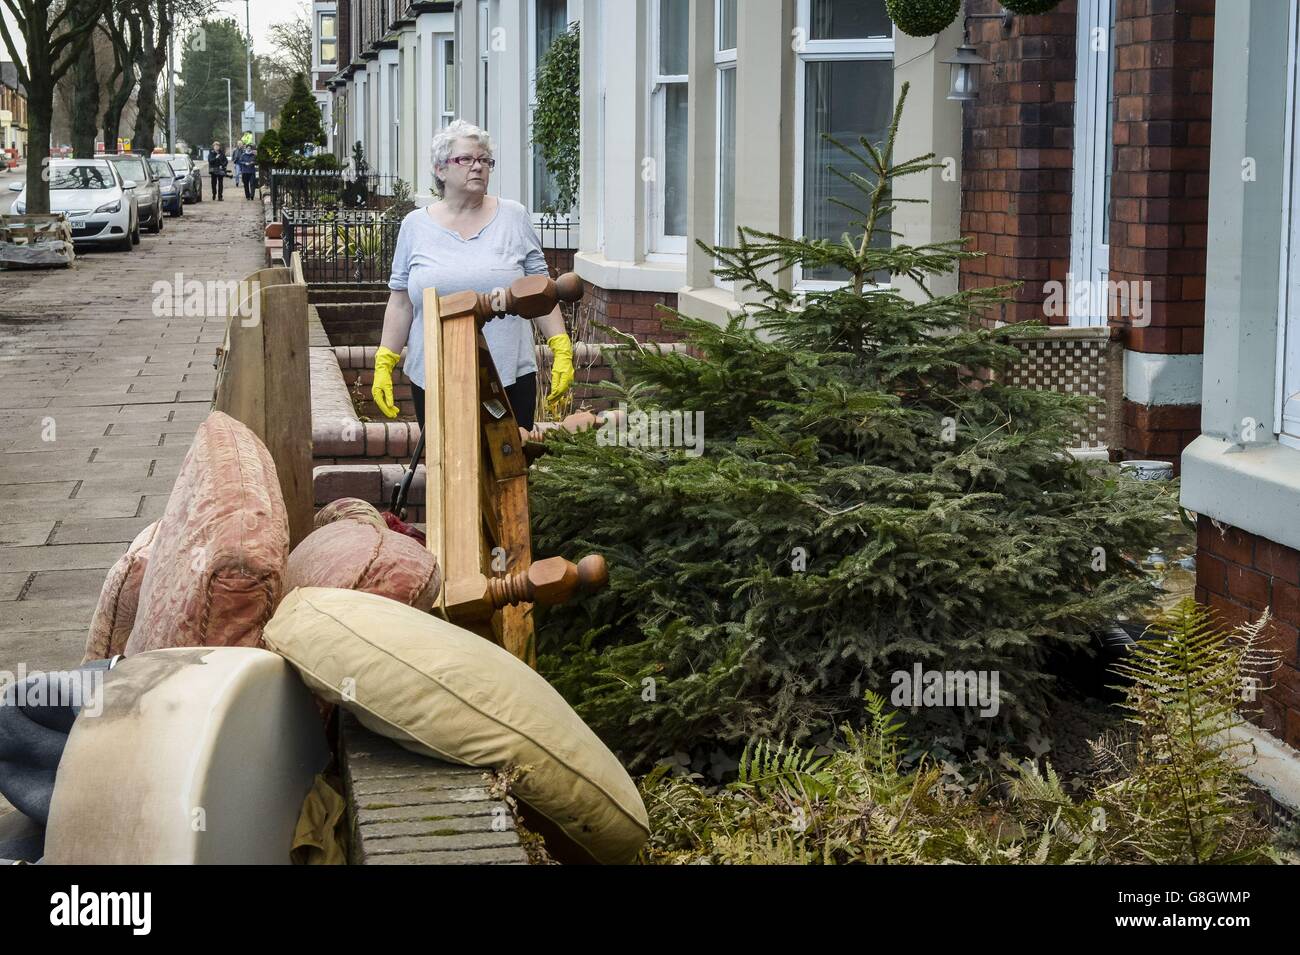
{"x": 261, "y": 14}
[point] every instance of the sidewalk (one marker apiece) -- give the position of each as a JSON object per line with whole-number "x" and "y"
{"x": 84, "y": 360}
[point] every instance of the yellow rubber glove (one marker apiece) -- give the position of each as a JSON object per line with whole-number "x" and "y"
{"x": 561, "y": 371}
{"x": 382, "y": 390}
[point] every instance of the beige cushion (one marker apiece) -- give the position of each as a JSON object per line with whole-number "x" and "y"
{"x": 443, "y": 691}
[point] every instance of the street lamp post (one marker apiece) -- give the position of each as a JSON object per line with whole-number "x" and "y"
{"x": 248, "y": 30}
{"x": 230, "y": 125}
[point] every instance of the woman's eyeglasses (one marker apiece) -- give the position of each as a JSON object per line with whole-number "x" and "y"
{"x": 471, "y": 160}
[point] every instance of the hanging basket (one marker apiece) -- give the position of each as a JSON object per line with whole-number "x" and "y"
{"x": 1029, "y": 8}
{"x": 922, "y": 17}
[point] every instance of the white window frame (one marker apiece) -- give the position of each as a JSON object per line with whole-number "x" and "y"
{"x": 533, "y": 63}
{"x": 1089, "y": 255}
{"x": 394, "y": 78}
{"x": 813, "y": 51}
{"x": 661, "y": 245}
{"x": 724, "y": 61}
{"x": 446, "y": 110}
{"x": 1286, "y": 424}
{"x": 321, "y": 38}
{"x": 481, "y": 73}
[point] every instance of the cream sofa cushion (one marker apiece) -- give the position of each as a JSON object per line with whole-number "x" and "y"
{"x": 440, "y": 690}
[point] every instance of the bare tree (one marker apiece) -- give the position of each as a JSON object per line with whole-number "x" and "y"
{"x": 123, "y": 31}
{"x": 292, "y": 42}
{"x": 56, "y": 33}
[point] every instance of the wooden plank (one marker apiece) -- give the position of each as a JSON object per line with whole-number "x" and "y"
{"x": 435, "y": 519}
{"x": 462, "y": 446}
{"x": 287, "y": 392}
{"x": 515, "y": 537}
{"x": 241, "y": 387}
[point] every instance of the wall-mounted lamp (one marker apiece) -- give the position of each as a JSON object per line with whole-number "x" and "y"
{"x": 963, "y": 75}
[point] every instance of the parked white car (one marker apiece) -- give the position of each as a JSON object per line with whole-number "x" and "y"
{"x": 96, "y": 198}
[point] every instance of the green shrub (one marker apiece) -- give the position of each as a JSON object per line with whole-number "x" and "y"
{"x": 922, "y": 17}
{"x": 1028, "y": 8}
{"x": 1170, "y": 794}
{"x": 555, "y": 117}
{"x": 870, "y": 495}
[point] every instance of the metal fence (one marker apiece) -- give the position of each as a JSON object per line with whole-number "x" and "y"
{"x": 341, "y": 245}
{"x": 328, "y": 189}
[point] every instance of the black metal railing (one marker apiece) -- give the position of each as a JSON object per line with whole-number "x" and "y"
{"x": 328, "y": 189}
{"x": 340, "y": 245}
{"x": 557, "y": 234}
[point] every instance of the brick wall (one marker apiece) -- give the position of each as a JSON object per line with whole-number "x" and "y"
{"x": 634, "y": 313}
{"x": 1239, "y": 575}
{"x": 1164, "y": 52}
{"x": 1017, "y": 140}
{"x": 1159, "y": 432}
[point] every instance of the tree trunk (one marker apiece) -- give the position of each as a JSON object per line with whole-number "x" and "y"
{"x": 146, "y": 116}
{"x": 40, "y": 114}
{"x": 85, "y": 104}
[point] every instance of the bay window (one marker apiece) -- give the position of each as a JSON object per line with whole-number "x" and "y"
{"x": 669, "y": 83}
{"x": 724, "y": 59}
{"x": 844, "y": 89}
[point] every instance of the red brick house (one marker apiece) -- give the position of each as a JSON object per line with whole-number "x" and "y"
{"x": 1086, "y": 160}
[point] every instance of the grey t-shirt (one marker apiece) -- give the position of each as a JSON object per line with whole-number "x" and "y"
{"x": 429, "y": 255}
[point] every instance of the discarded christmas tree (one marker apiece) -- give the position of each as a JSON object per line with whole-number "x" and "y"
{"x": 871, "y": 495}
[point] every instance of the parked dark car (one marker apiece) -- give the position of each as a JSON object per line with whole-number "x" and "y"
{"x": 146, "y": 191}
{"x": 169, "y": 184}
{"x": 190, "y": 176}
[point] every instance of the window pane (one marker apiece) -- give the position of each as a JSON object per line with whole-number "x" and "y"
{"x": 727, "y": 159}
{"x": 327, "y": 26}
{"x": 1108, "y": 139}
{"x": 727, "y": 24}
{"x": 849, "y": 20}
{"x": 674, "y": 17}
{"x": 674, "y": 172}
{"x": 327, "y": 51}
{"x": 449, "y": 76}
{"x": 552, "y": 20}
{"x": 845, "y": 99}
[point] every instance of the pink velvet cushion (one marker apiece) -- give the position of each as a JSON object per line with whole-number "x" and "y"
{"x": 356, "y": 555}
{"x": 115, "y": 614}
{"x": 349, "y": 509}
{"x": 215, "y": 575}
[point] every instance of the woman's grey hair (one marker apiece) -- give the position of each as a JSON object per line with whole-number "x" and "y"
{"x": 445, "y": 139}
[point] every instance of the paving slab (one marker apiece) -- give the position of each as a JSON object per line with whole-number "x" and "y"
{"x": 126, "y": 389}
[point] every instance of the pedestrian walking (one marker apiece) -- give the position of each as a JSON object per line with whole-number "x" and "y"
{"x": 234, "y": 161}
{"x": 218, "y": 164}
{"x": 247, "y": 166}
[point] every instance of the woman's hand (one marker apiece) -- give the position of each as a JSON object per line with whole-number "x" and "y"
{"x": 561, "y": 371}
{"x": 382, "y": 390}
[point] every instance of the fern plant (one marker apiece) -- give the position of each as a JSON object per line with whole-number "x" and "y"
{"x": 1169, "y": 793}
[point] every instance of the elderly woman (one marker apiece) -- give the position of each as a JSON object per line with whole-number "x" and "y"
{"x": 468, "y": 241}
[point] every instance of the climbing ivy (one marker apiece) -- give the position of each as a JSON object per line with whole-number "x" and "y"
{"x": 555, "y": 117}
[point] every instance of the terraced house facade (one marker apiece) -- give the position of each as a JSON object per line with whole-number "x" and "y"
{"x": 1112, "y": 164}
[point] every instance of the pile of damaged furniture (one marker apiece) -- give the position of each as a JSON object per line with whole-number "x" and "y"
{"x": 224, "y": 665}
